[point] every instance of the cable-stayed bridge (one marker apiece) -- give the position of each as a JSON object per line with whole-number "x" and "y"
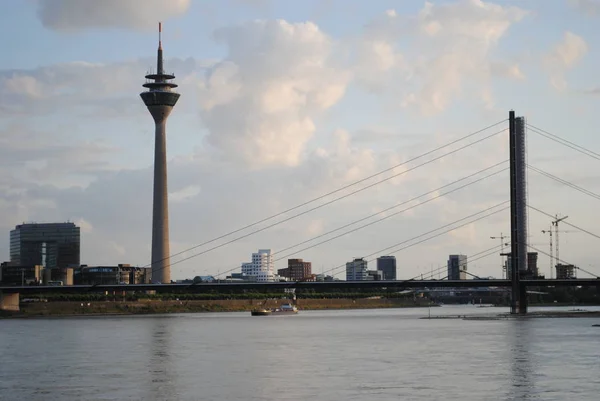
{"x": 516, "y": 207}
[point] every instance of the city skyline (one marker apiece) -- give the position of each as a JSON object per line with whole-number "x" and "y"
{"x": 328, "y": 101}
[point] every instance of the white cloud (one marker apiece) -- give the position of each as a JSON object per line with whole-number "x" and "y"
{"x": 184, "y": 194}
{"x": 89, "y": 89}
{"x": 445, "y": 50}
{"x": 512, "y": 71}
{"x": 260, "y": 103}
{"x": 84, "y": 225}
{"x": 76, "y": 15}
{"x": 265, "y": 106}
{"x": 588, "y": 7}
{"x": 51, "y": 158}
{"x": 565, "y": 55}
{"x": 23, "y": 85}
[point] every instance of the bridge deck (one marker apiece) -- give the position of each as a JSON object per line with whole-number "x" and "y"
{"x": 318, "y": 285}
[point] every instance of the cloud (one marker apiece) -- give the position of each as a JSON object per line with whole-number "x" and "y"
{"x": 115, "y": 208}
{"x": 511, "y": 71}
{"x": 59, "y": 159}
{"x": 84, "y": 225}
{"x": 588, "y": 7}
{"x": 432, "y": 58}
{"x": 78, "y": 15}
{"x": 184, "y": 194}
{"x": 593, "y": 91}
{"x": 279, "y": 133}
{"x": 90, "y": 89}
{"x": 260, "y": 103}
{"x": 565, "y": 55}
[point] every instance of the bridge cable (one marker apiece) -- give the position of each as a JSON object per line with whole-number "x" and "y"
{"x": 563, "y": 262}
{"x": 393, "y": 214}
{"x": 494, "y": 249}
{"x": 487, "y": 252}
{"x": 564, "y": 222}
{"x": 429, "y": 232}
{"x": 322, "y": 205}
{"x": 565, "y": 182}
{"x": 445, "y": 232}
{"x": 383, "y": 211}
{"x": 564, "y": 142}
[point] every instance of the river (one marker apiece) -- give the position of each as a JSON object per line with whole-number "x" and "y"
{"x": 384, "y": 354}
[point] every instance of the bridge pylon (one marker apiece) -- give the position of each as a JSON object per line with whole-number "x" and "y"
{"x": 518, "y": 212}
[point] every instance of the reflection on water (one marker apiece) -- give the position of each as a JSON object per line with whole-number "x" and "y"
{"x": 521, "y": 364}
{"x": 159, "y": 366}
{"x": 320, "y": 355}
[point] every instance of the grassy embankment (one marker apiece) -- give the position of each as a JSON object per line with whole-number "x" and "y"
{"x": 102, "y": 305}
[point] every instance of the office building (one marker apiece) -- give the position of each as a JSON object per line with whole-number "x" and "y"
{"x": 356, "y": 270}
{"x": 11, "y": 274}
{"x": 110, "y": 275}
{"x": 375, "y": 275}
{"x": 532, "y": 266}
{"x": 387, "y": 264}
{"x": 564, "y": 272}
{"x": 59, "y": 276}
{"x": 457, "y": 267}
{"x": 50, "y": 245}
{"x": 262, "y": 266}
{"x": 297, "y": 270}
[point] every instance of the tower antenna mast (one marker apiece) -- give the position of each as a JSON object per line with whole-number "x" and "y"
{"x": 160, "y": 100}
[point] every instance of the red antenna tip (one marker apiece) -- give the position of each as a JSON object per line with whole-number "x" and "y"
{"x": 159, "y": 34}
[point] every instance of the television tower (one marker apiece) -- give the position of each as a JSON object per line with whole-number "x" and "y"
{"x": 160, "y": 100}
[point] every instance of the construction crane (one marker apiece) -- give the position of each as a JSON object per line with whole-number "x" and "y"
{"x": 551, "y": 253}
{"x": 555, "y": 224}
{"x": 502, "y": 237}
{"x": 556, "y": 231}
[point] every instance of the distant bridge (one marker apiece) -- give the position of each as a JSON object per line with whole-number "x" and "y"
{"x": 9, "y": 295}
{"x": 315, "y": 285}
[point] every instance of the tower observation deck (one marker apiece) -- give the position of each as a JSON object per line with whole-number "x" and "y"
{"x": 160, "y": 99}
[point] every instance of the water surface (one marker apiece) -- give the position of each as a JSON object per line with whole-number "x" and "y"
{"x": 385, "y": 354}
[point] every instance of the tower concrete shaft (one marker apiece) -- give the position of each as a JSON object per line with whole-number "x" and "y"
{"x": 160, "y": 100}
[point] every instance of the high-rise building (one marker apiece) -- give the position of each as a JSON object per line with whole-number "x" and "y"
{"x": 357, "y": 270}
{"x": 532, "y": 268}
{"x": 160, "y": 99}
{"x": 387, "y": 264}
{"x": 375, "y": 275}
{"x": 50, "y": 245}
{"x": 262, "y": 266}
{"x": 564, "y": 272}
{"x": 457, "y": 267}
{"x": 297, "y": 270}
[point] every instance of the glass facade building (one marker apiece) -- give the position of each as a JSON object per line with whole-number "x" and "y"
{"x": 49, "y": 244}
{"x": 387, "y": 264}
{"x": 457, "y": 267}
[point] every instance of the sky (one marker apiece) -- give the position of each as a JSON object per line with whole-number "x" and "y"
{"x": 283, "y": 102}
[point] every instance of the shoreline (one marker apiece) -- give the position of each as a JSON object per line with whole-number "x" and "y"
{"x": 165, "y": 307}
{"x": 153, "y": 307}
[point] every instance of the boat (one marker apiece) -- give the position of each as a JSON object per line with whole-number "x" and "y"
{"x": 285, "y": 309}
{"x": 260, "y": 312}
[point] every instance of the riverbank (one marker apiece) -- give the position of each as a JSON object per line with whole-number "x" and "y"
{"x": 71, "y": 308}
{"x": 530, "y": 315}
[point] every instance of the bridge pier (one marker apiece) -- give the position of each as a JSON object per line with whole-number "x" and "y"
{"x": 523, "y": 301}
{"x": 518, "y": 213}
{"x": 9, "y": 301}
